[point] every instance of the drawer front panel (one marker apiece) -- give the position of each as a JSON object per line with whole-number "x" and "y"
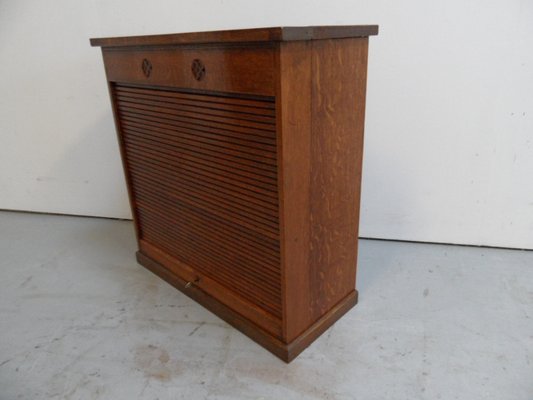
{"x": 232, "y": 69}
{"x": 203, "y": 171}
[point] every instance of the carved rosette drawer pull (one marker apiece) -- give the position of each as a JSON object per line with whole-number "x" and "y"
{"x": 146, "y": 67}
{"x": 198, "y": 69}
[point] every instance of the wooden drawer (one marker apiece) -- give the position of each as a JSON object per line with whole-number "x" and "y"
{"x": 239, "y": 69}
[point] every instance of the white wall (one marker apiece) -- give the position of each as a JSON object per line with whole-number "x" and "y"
{"x": 449, "y": 132}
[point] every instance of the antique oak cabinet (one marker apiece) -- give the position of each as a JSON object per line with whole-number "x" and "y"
{"x": 242, "y": 152}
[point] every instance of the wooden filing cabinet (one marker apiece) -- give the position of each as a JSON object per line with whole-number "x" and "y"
{"x": 243, "y": 152}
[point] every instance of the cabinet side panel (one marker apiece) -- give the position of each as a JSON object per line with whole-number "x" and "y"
{"x": 338, "y": 109}
{"x": 294, "y": 137}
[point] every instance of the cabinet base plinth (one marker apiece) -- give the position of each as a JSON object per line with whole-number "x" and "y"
{"x": 285, "y": 351}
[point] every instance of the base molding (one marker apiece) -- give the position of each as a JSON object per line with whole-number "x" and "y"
{"x": 285, "y": 351}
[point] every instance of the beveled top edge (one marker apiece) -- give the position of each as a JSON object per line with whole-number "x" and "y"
{"x": 274, "y": 34}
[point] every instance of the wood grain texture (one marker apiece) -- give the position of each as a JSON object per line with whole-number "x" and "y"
{"x": 294, "y": 110}
{"x": 227, "y": 310}
{"x": 227, "y": 69}
{"x": 187, "y": 202}
{"x": 286, "y": 352}
{"x": 244, "y": 170}
{"x": 321, "y": 126}
{"x": 336, "y": 153}
{"x": 312, "y": 332}
{"x": 198, "y": 280}
{"x": 125, "y": 166}
{"x": 274, "y": 34}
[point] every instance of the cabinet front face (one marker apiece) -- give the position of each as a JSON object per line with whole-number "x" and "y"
{"x": 202, "y": 169}
{"x": 239, "y": 69}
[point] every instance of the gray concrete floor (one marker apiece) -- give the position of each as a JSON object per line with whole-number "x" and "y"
{"x": 79, "y": 319}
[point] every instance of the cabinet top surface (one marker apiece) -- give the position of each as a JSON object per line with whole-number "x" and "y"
{"x": 274, "y": 34}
